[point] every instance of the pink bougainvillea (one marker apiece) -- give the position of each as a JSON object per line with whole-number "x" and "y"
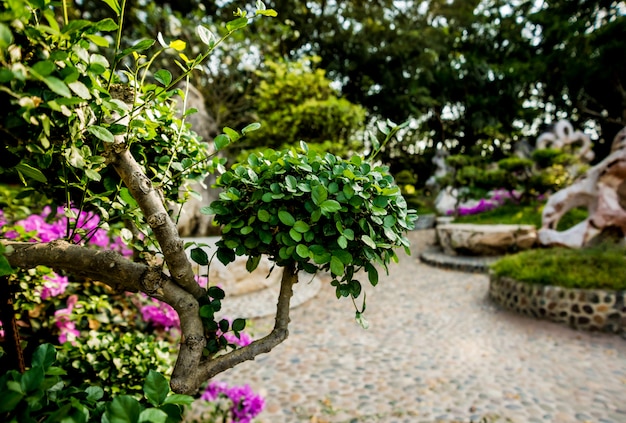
{"x": 246, "y": 404}
{"x": 67, "y": 328}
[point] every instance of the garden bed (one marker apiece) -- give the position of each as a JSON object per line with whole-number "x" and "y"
{"x": 584, "y": 289}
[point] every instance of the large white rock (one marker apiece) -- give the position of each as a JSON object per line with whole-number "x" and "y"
{"x": 485, "y": 240}
{"x": 599, "y": 191}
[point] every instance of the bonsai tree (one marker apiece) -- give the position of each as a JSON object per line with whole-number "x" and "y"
{"x": 80, "y": 135}
{"x": 312, "y": 212}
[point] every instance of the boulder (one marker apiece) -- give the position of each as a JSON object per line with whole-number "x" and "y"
{"x": 485, "y": 240}
{"x": 601, "y": 190}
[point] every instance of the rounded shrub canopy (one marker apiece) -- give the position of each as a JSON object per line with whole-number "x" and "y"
{"x": 313, "y": 212}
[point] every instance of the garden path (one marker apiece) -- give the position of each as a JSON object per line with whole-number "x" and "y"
{"x": 437, "y": 350}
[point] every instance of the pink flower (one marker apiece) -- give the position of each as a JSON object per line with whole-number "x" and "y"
{"x": 67, "y": 328}
{"x": 53, "y": 286}
{"x": 202, "y": 280}
{"x": 246, "y": 404}
{"x": 243, "y": 340}
{"x": 161, "y": 315}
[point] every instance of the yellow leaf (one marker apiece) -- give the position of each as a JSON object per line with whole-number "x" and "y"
{"x": 184, "y": 57}
{"x": 178, "y": 45}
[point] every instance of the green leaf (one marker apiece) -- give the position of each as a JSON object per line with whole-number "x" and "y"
{"x": 342, "y": 241}
{"x": 250, "y": 128}
{"x": 198, "y": 255}
{"x": 5, "y": 267}
{"x": 295, "y": 235}
{"x": 368, "y": 241}
{"x": 31, "y": 379}
{"x": 330, "y": 206}
{"x": 236, "y": 24}
{"x": 216, "y": 293}
{"x": 301, "y": 226}
{"x": 156, "y": 388}
{"x": 231, "y": 133}
{"x": 57, "y": 86}
{"x": 163, "y": 76}
{"x": 114, "y": 4}
{"x": 98, "y": 40}
{"x": 80, "y": 89}
{"x": 239, "y": 325}
{"x": 142, "y": 45}
{"x": 44, "y": 356}
{"x": 101, "y": 133}
{"x": 267, "y": 12}
{"x": 10, "y": 400}
{"x": 263, "y": 215}
{"x": 206, "y": 36}
{"x": 221, "y": 141}
{"x": 94, "y": 393}
{"x": 106, "y": 25}
{"x": 302, "y": 250}
{"x": 93, "y": 175}
{"x": 123, "y": 409}
{"x": 382, "y": 127}
{"x": 355, "y": 288}
{"x": 31, "y": 172}
{"x": 286, "y": 218}
{"x": 179, "y": 399}
{"x": 336, "y": 266}
{"x": 44, "y": 68}
{"x": 206, "y": 311}
{"x": 252, "y": 263}
{"x": 6, "y": 36}
{"x": 153, "y": 415}
{"x": 372, "y": 274}
{"x": 319, "y": 194}
{"x": 389, "y": 221}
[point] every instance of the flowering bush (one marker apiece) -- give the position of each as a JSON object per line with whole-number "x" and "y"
{"x": 496, "y": 199}
{"x": 66, "y": 222}
{"x": 245, "y": 403}
{"x": 100, "y": 344}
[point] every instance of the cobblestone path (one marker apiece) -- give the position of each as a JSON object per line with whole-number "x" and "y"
{"x": 437, "y": 350}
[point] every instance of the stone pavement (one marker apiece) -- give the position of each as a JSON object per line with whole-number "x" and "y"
{"x": 437, "y": 350}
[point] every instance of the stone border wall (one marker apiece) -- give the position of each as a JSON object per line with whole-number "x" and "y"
{"x": 587, "y": 309}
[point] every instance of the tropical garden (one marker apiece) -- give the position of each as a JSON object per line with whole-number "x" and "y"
{"x": 324, "y": 120}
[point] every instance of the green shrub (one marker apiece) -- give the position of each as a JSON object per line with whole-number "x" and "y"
{"x": 312, "y": 212}
{"x": 43, "y": 394}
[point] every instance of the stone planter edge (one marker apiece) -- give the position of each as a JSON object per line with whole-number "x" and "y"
{"x": 584, "y": 309}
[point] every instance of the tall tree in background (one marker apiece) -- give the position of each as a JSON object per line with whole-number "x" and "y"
{"x": 472, "y": 74}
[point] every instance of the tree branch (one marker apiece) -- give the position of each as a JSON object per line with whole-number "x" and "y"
{"x": 209, "y": 368}
{"x": 120, "y": 274}
{"x": 151, "y": 204}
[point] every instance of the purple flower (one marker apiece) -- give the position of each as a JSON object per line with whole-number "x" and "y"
{"x": 53, "y": 286}
{"x": 246, "y": 404}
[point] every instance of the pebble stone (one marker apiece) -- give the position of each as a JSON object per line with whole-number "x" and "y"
{"x": 437, "y": 350}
